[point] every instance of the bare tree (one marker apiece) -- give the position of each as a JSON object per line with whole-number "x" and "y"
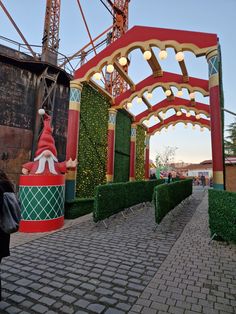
{"x": 164, "y": 159}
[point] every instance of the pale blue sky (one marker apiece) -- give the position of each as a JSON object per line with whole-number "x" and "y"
{"x": 212, "y": 16}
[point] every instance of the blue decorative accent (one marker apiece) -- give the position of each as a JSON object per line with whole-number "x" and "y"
{"x": 147, "y": 139}
{"x": 75, "y": 94}
{"x": 112, "y": 118}
{"x": 133, "y": 132}
{"x": 213, "y": 65}
{"x": 218, "y": 186}
{"x": 70, "y": 190}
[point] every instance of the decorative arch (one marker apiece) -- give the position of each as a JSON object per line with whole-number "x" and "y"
{"x": 177, "y": 103}
{"x": 167, "y": 80}
{"x": 142, "y": 37}
{"x": 175, "y": 120}
{"x": 145, "y": 38}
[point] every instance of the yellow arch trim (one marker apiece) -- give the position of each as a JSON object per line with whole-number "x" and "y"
{"x": 145, "y": 45}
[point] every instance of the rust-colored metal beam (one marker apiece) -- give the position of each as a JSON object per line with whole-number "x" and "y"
{"x": 86, "y": 46}
{"x": 17, "y": 29}
{"x": 101, "y": 89}
{"x": 50, "y": 38}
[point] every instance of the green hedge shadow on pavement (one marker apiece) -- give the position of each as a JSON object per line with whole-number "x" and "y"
{"x": 222, "y": 214}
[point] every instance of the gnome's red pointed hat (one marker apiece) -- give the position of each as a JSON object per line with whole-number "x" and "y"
{"x": 46, "y": 141}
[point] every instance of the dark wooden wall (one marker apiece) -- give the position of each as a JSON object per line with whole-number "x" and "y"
{"x": 19, "y": 77}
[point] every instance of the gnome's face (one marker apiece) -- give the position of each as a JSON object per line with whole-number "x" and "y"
{"x": 46, "y": 157}
{"x": 47, "y": 153}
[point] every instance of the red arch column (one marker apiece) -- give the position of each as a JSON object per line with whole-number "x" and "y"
{"x": 216, "y": 122}
{"x": 72, "y": 137}
{"x": 132, "y": 162}
{"x": 111, "y": 145}
{"x": 146, "y": 156}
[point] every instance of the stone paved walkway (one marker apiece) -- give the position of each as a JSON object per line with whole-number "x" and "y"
{"x": 196, "y": 277}
{"x": 126, "y": 268}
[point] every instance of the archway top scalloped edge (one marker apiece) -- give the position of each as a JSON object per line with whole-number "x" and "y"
{"x": 143, "y": 45}
{"x": 179, "y": 121}
{"x": 171, "y": 107}
{"x": 160, "y": 84}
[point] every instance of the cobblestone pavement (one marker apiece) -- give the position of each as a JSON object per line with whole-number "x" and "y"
{"x": 196, "y": 277}
{"x": 86, "y": 268}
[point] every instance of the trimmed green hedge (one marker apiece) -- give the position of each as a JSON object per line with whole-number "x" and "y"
{"x": 113, "y": 198}
{"x": 167, "y": 196}
{"x": 122, "y": 147}
{"x": 222, "y": 214}
{"x": 79, "y": 207}
{"x": 109, "y": 199}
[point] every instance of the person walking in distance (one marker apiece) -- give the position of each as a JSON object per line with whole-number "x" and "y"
{"x": 5, "y": 186}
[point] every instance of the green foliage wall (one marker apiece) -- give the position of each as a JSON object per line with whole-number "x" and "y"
{"x": 140, "y": 138}
{"x": 122, "y": 147}
{"x": 92, "y": 150}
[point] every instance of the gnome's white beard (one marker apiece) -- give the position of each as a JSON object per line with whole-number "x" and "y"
{"x": 42, "y": 162}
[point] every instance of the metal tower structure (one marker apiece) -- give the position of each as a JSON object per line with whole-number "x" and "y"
{"x": 120, "y": 8}
{"x": 50, "y": 39}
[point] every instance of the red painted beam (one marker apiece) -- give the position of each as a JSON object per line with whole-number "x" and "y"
{"x": 143, "y": 33}
{"x": 166, "y": 78}
{"x": 175, "y": 118}
{"x": 173, "y": 103}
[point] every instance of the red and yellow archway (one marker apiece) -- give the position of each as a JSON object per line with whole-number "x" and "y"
{"x": 145, "y": 39}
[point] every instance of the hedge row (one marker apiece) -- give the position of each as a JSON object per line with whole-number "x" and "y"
{"x": 113, "y": 198}
{"x": 167, "y": 196}
{"x": 78, "y": 207}
{"x": 222, "y": 214}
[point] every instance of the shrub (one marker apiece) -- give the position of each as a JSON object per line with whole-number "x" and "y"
{"x": 222, "y": 214}
{"x": 167, "y": 196}
{"x": 109, "y": 199}
{"x": 78, "y": 207}
{"x": 113, "y": 198}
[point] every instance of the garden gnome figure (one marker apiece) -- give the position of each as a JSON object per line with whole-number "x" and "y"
{"x": 45, "y": 161}
{"x": 42, "y": 185}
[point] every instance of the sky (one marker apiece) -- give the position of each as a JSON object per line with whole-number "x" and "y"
{"x": 210, "y": 16}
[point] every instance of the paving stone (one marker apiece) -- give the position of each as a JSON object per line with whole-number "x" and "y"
{"x": 88, "y": 286}
{"x": 4, "y": 305}
{"x": 68, "y": 298}
{"x": 12, "y": 310}
{"x": 16, "y": 298}
{"x": 123, "y": 306}
{"x": 109, "y": 301}
{"x": 112, "y": 310}
{"x": 82, "y": 303}
{"x": 38, "y": 308}
{"x": 97, "y": 308}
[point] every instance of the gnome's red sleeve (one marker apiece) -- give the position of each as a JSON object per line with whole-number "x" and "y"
{"x": 28, "y": 165}
{"x": 60, "y": 167}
